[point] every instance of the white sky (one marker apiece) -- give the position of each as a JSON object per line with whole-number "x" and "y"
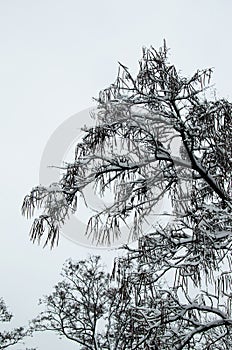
{"x": 55, "y": 55}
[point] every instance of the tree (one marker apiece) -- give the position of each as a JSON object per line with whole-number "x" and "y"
{"x": 9, "y": 338}
{"x": 77, "y": 305}
{"x": 158, "y": 134}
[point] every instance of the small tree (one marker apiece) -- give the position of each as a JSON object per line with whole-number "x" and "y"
{"x": 9, "y": 338}
{"x": 77, "y": 305}
{"x": 157, "y": 134}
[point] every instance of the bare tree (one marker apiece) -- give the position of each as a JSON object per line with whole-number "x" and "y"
{"x": 133, "y": 151}
{"x": 77, "y": 305}
{"x": 9, "y": 338}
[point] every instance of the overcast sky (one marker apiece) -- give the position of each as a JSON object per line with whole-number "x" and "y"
{"x": 55, "y": 56}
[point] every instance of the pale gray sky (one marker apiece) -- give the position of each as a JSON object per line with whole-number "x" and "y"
{"x": 55, "y": 55}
